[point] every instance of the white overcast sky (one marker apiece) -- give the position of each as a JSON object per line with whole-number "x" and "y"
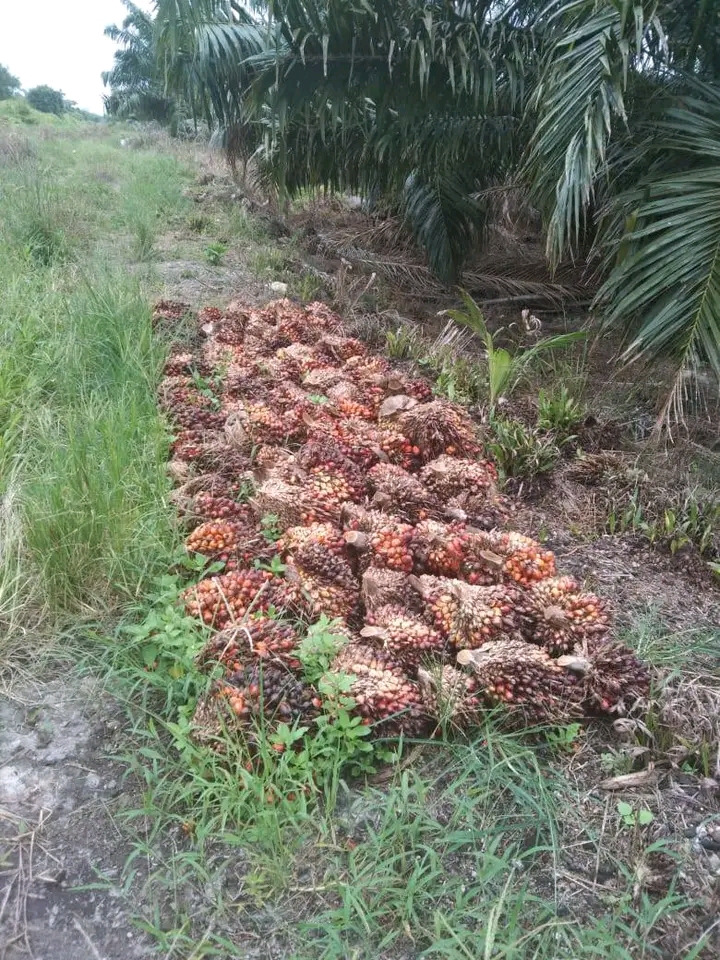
{"x": 61, "y": 43}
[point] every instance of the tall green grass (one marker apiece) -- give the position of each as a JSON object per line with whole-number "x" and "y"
{"x": 84, "y": 516}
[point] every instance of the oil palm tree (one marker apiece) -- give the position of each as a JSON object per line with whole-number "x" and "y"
{"x": 608, "y": 111}
{"x": 135, "y": 81}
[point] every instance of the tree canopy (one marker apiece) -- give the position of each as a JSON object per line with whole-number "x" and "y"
{"x": 46, "y": 99}
{"x": 9, "y": 84}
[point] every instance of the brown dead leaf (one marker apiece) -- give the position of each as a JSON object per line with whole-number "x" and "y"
{"x": 396, "y": 405}
{"x": 627, "y": 781}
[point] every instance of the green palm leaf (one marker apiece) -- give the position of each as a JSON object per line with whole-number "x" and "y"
{"x": 667, "y": 275}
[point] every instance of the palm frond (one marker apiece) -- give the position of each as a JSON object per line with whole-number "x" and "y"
{"x": 664, "y": 285}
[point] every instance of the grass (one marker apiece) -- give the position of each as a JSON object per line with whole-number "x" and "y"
{"x": 84, "y": 513}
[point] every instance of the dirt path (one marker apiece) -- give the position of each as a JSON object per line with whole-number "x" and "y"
{"x": 59, "y": 794}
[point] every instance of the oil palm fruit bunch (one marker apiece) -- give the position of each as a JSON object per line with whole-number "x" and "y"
{"x": 483, "y": 614}
{"x": 209, "y": 507}
{"x": 439, "y": 548}
{"x": 451, "y": 695}
{"x": 338, "y": 349}
{"x": 382, "y": 540}
{"x": 497, "y": 556}
{"x": 216, "y": 538}
{"x": 215, "y": 456}
{"x": 258, "y": 638}
{"x": 228, "y": 597}
{"x": 187, "y": 445}
{"x": 384, "y": 588}
{"x": 563, "y": 616}
{"x": 438, "y": 599}
{"x": 440, "y": 427}
{"x": 408, "y": 639}
{"x": 401, "y": 494}
{"x": 448, "y": 476}
{"x": 612, "y": 680}
{"x": 325, "y": 535}
{"x": 209, "y": 315}
{"x": 398, "y": 449}
{"x": 525, "y": 678}
{"x": 382, "y": 691}
{"x": 266, "y": 426}
{"x": 325, "y": 581}
{"x": 327, "y": 458}
{"x": 271, "y": 691}
{"x": 230, "y": 330}
{"x": 169, "y": 310}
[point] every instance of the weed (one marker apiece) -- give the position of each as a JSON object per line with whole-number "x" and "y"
{"x": 143, "y": 244}
{"x": 504, "y": 368}
{"x": 558, "y": 412}
{"x": 521, "y": 452}
{"x": 215, "y": 252}
{"x": 403, "y": 343}
{"x": 198, "y": 223}
{"x": 270, "y": 527}
{"x": 634, "y": 816}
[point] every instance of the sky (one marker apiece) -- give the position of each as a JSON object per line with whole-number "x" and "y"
{"x": 61, "y": 43}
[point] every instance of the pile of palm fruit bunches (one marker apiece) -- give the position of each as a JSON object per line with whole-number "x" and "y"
{"x": 389, "y": 521}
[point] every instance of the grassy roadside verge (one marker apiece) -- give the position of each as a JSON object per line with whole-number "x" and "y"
{"x": 85, "y": 521}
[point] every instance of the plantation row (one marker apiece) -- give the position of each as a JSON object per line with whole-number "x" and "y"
{"x": 327, "y": 484}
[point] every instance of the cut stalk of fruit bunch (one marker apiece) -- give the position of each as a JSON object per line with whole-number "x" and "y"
{"x": 383, "y": 693}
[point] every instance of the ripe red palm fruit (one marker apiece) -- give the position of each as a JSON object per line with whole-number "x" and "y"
{"x": 495, "y": 556}
{"x": 439, "y": 548}
{"x": 226, "y": 598}
{"x": 384, "y": 540}
{"x": 439, "y": 601}
{"x": 215, "y": 538}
